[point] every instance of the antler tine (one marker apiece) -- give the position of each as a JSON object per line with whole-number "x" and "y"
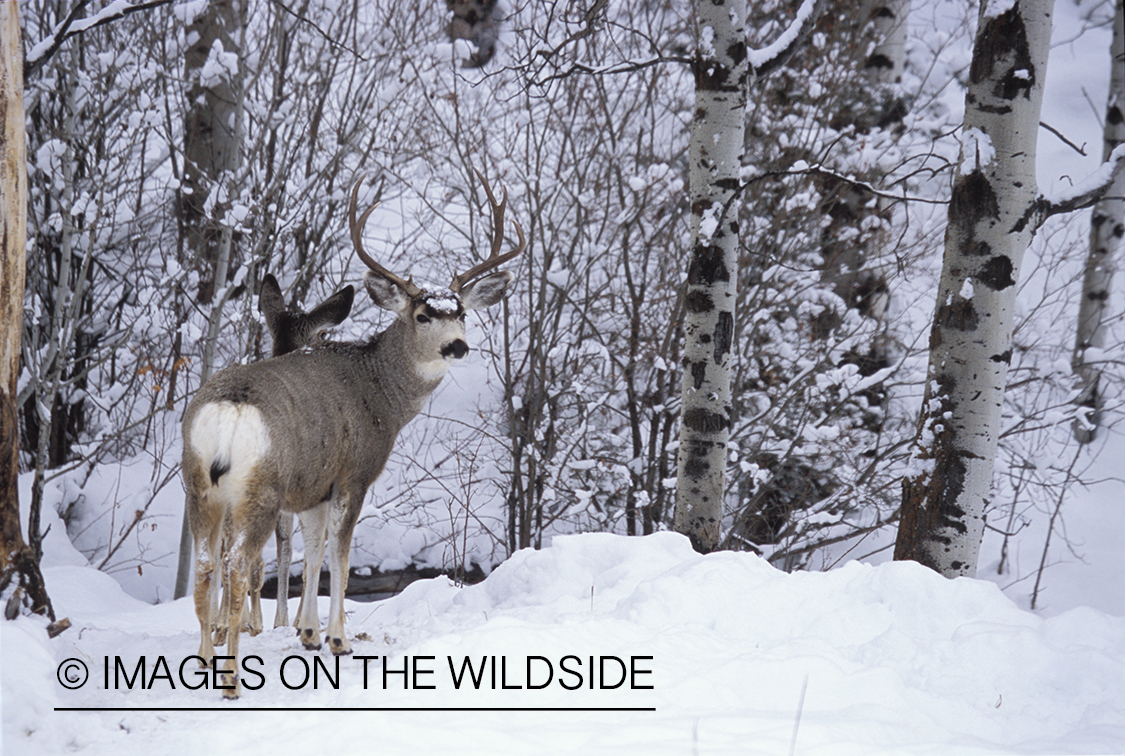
{"x": 495, "y": 259}
{"x": 356, "y": 228}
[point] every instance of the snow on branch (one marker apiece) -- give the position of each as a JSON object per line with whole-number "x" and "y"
{"x": 775, "y": 55}
{"x": 72, "y": 25}
{"x": 762, "y": 61}
{"x": 1084, "y": 194}
{"x": 801, "y": 168}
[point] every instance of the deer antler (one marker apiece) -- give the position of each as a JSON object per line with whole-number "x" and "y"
{"x": 495, "y": 258}
{"x": 356, "y": 226}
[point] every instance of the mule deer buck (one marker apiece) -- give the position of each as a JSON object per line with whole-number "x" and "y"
{"x": 310, "y": 431}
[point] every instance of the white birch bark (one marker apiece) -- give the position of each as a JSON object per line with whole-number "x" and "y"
{"x": 888, "y": 59}
{"x": 990, "y": 227}
{"x": 1106, "y": 232}
{"x": 722, "y": 66}
{"x": 717, "y": 132}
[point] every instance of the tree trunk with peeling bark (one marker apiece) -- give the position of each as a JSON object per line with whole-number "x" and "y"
{"x": 21, "y": 581}
{"x": 212, "y": 152}
{"x": 212, "y": 142}
{"x": 991, "y": 222}
{"x": 1106, "y": 232}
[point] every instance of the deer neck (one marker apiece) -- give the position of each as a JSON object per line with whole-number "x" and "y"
{"x": 404, "y": 383}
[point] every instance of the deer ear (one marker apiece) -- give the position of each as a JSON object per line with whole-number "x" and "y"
{"x": 384, "y": 293}
{"x": 270, "y": 302}
{"x": 333, "y": 310}
{"x": 487, "y": 290}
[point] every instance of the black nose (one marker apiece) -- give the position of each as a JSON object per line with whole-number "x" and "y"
{"x": 456, "y": 350}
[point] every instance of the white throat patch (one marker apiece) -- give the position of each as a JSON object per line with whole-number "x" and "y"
{"x": 434, "y": 370}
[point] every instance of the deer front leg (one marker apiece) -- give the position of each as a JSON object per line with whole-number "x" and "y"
{"x": 341, "y": 523}
{"x": 284, "y": 535}
{"x": 253, "y": 624}
{"x": 314, "y": 525}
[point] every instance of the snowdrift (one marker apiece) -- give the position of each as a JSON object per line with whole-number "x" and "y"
{"x": 598, "y": 644}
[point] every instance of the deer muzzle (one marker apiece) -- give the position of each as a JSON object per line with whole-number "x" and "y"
{"x": 455, "y": 349}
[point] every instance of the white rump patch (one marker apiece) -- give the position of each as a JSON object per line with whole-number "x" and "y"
{"x": 233, "y": 436}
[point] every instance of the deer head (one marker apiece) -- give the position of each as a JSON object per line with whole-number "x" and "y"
{"x": 435, "y": 318}
{"x": 294, "y": 329}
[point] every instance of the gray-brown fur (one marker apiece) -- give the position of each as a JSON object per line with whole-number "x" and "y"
{"x": 291, "y": 329}
{"x": 477, "y": 21}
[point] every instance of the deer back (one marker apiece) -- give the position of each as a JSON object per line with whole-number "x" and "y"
{"x": 330, "y": 415}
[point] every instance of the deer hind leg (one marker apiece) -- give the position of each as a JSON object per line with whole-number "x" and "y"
{"x": 314, "y": 523}
{"x": 344, "y": 512}
{"x": 238, "y": 583}
{"x": 284, "y": 535}
{"x": 207, "y": 531}
{"x": 218, "y": 626}
{"x": 243, "y": 556}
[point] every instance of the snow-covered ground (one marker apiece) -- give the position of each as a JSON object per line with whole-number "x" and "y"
{"x": 710, "y": 654}
{"x": 729, "y": 655}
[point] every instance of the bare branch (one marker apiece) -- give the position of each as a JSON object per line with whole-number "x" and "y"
{"x": 819, "y": 170}
{"x": 68, "y": 28}
{"x": 334, "y": 42}
{"x": 1063, "y": 139}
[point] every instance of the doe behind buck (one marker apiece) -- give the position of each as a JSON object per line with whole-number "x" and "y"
{"x": 308, "y": 432}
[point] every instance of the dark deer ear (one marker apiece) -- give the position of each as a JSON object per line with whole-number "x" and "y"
{"x": 333, "y": 310}
{"x": 270, "y": 302}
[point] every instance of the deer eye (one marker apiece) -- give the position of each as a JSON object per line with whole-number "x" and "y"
{"x": 461, "y": 317}
{"x": 422, "y": 318}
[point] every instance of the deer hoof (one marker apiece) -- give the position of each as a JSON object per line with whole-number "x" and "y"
{"x": 309, "y": 639}
{"x": 232, "y": 689}
{"x": 219, "y": 637}
{"x": 338, "y": 646}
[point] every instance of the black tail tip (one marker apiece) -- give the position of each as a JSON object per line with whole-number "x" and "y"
{"x": 218, "y": 470}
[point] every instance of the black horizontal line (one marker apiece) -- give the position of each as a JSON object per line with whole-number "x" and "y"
{"x": 355, "y": 708}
